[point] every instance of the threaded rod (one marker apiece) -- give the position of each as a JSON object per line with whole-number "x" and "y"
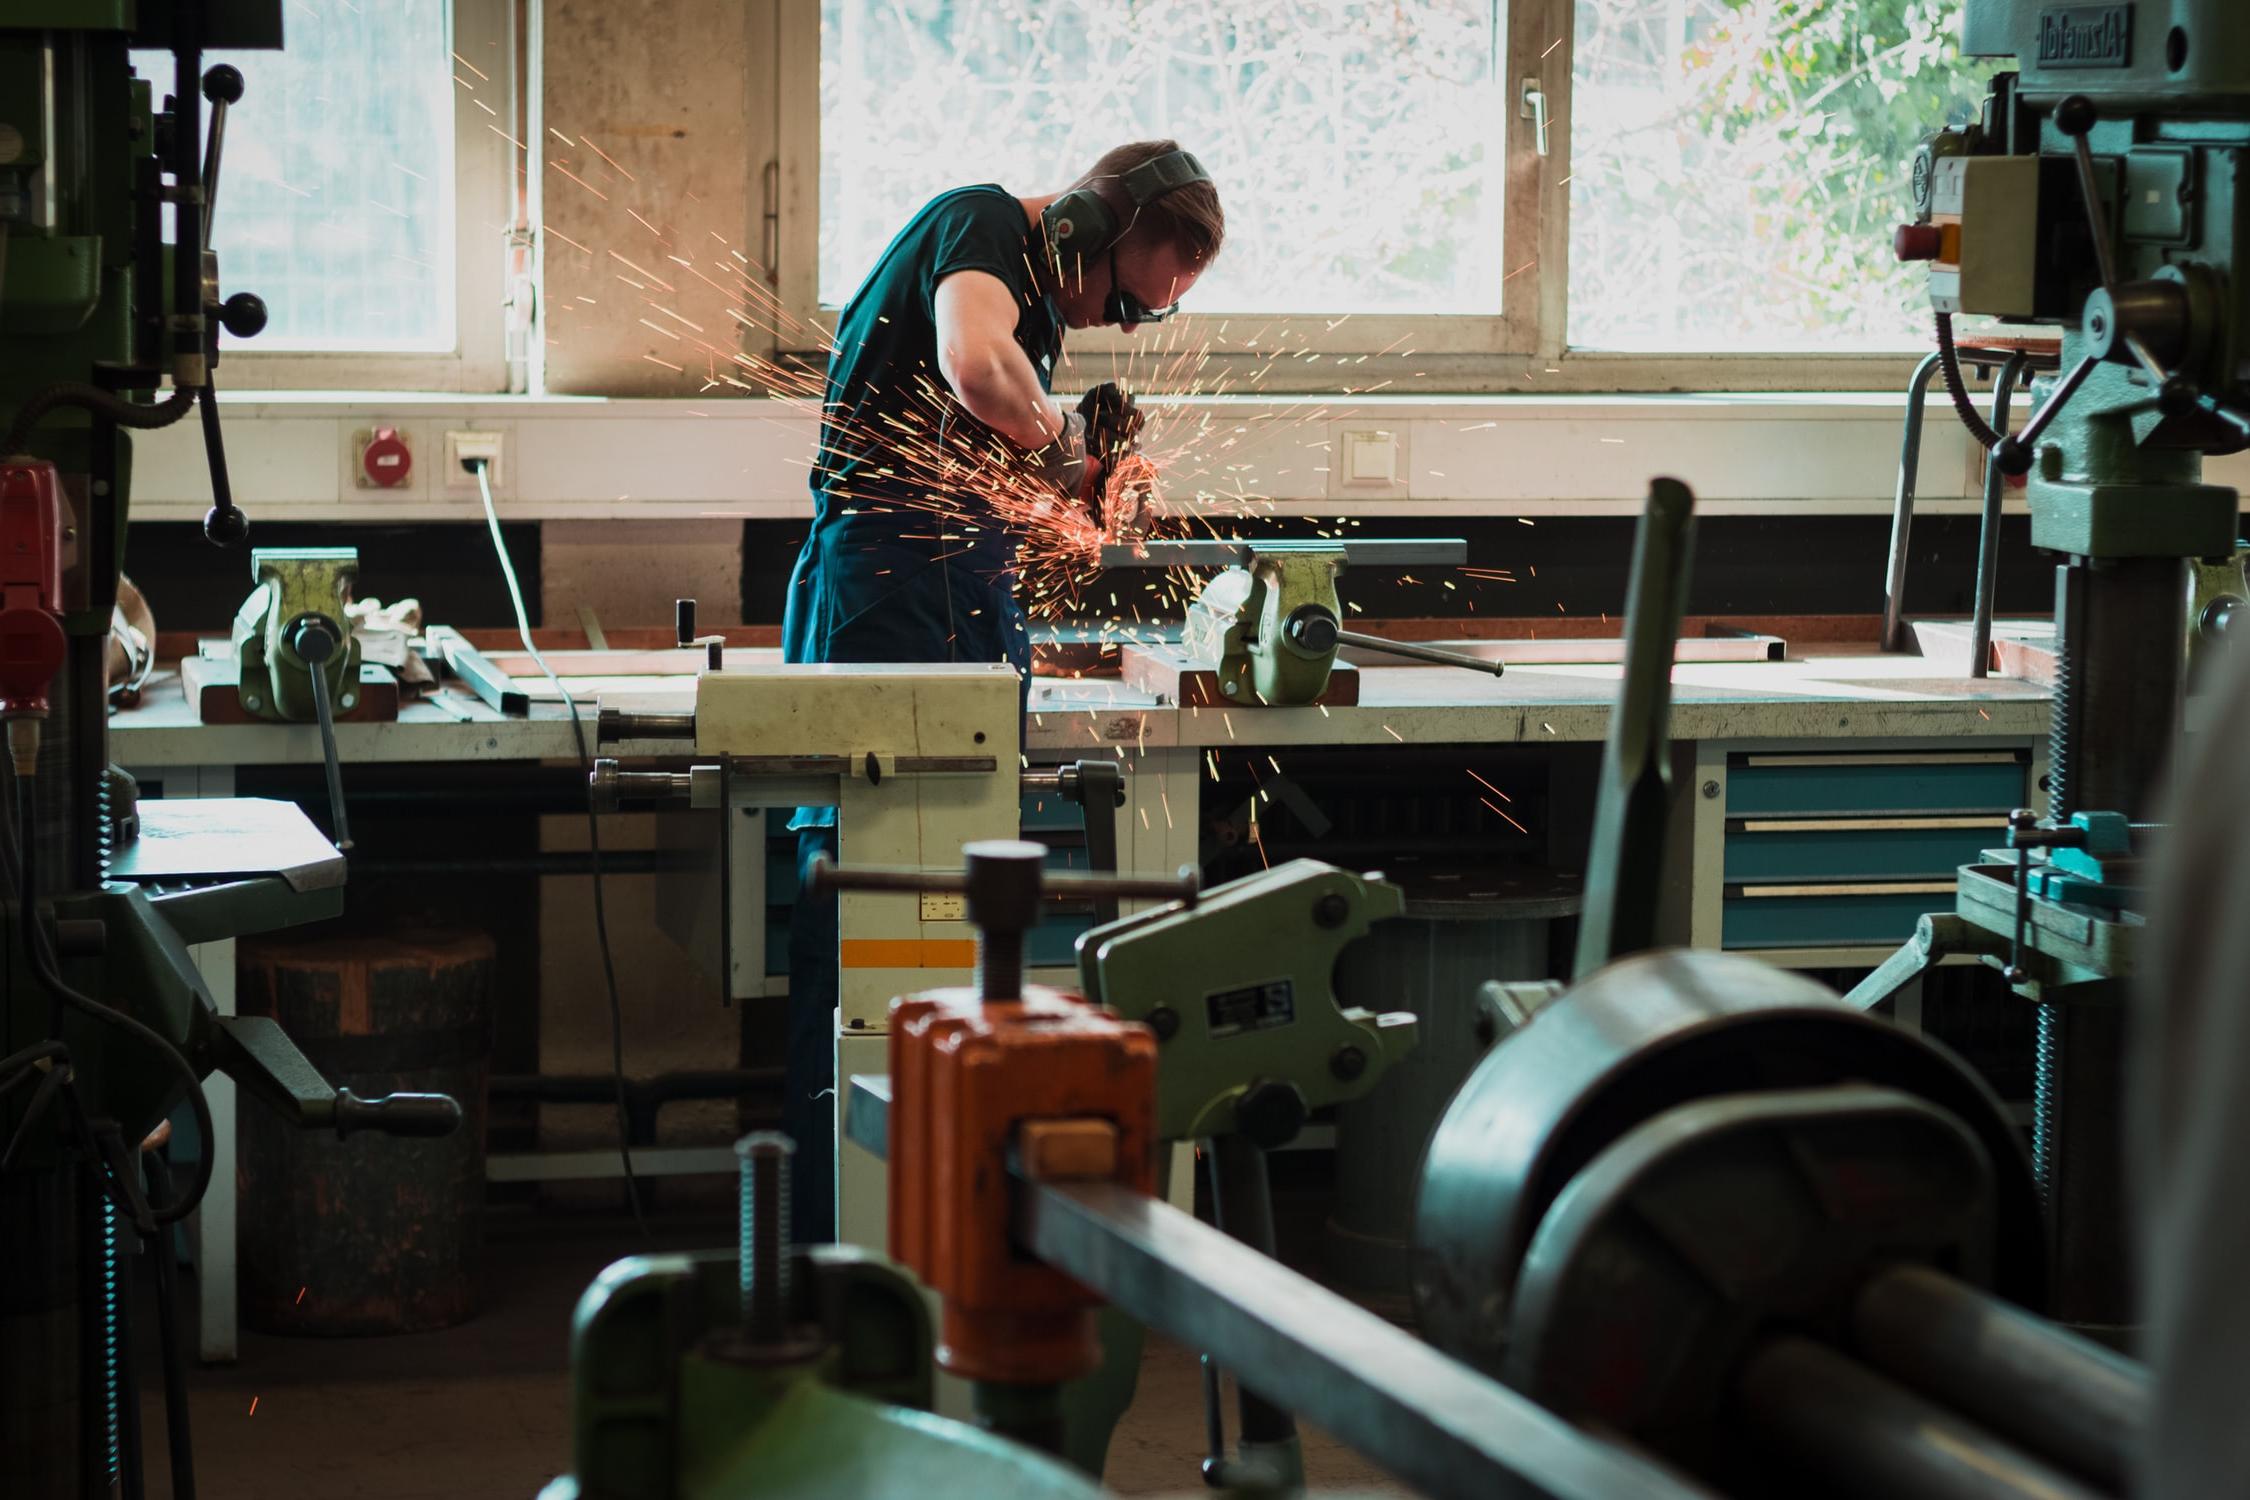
{"x": 763, "y": 1156}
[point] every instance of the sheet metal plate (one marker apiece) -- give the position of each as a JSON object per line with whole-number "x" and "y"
{"x": 228, "y": 838}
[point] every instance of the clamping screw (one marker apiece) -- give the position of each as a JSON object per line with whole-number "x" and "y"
{"x": 1348, "y": 1063}
{"x": 1165, "y": 1022}
{"x": 1331, "y": 910}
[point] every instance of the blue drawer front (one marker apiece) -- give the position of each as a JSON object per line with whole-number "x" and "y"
{"x": 1855, "y": 854}
{"x": 1825, "y": 921}
{"x": 1812, "y": 786}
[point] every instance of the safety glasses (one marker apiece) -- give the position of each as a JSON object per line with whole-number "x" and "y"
{"x": 1121, "y": 306}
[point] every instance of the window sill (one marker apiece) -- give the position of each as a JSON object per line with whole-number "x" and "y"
{"x": 1530, "y": 454}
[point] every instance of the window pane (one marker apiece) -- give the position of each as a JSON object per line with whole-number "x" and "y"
{"x": 336, "y": 186}
{"x": 1356, "y": 146}
{"x": 1738, "y": 165}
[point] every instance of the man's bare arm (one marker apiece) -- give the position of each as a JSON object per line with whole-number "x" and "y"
{"x": 979, "y": 357}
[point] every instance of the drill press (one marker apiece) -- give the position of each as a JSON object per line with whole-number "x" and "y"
{"x": 105, "y": 1024}
{"x": 2102, "y": 190}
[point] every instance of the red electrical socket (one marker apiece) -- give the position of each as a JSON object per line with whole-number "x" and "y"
{"x": 386, "y": 460}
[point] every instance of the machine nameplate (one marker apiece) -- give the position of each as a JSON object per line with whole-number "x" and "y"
{"x": 2086, "y": 36}
{"x": 1253, "y": 1007}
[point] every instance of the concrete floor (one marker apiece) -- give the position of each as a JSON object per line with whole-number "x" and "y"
{"x": 483, "y": 1410}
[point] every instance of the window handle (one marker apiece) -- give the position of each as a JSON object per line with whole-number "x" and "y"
{"x": 1533, "y": 107}
{"x": 772, "y": 245}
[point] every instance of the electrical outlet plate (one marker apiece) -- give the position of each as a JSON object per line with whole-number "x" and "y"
{"x": 1371, "y": 457}
{"x": 491, "y": 446}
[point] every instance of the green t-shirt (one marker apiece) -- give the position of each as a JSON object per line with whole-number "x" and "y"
{"x": 886, "y": 399}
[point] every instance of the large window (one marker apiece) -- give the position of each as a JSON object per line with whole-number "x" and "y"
{"x": 362, "y": 194}
{"x": 1354, "y": 139}
{"x": 1737, "y": 166}
{"x": 1450, "y": 194}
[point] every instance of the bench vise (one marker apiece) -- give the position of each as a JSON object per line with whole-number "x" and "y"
{"x": 1269, "y": 625}
{"x": 292, "y": 642}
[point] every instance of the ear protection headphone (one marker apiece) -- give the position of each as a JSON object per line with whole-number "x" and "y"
{"x": 1082, "y": 223}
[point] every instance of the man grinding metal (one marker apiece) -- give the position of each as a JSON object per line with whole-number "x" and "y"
{"x": 937, "y": 403}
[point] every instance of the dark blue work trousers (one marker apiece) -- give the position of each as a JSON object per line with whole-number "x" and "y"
{"x": 854, "y": 602}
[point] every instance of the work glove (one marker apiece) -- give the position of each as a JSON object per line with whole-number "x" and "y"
{"x": 1064, "y": 462}
{"x": 1113, "y": 425}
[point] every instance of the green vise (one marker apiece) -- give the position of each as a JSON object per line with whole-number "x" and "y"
{"x": 293, "y": 626}
{"x": 1268, "y": 627}
{"x": 1240, "y": 992}
{"x": 674, "y": 1400}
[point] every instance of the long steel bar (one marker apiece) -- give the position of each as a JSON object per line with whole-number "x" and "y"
{"x": 1902, "y": 502}
{"x": 1863, "y": 1436}
{"x": 1213, "y": 552}
{"x": 1428, "y": 1419}
{"x": 1591, "y": 650}
{"x": 2028, "y": 1380}
{"x": 1625, "y": 865}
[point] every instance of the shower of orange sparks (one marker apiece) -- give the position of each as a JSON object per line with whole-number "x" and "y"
{"x": 1056, "y": 549}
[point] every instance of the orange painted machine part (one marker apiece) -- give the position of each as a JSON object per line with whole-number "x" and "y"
{"x": 965, "y": 1077}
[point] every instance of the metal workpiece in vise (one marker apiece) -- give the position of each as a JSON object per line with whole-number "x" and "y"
{"x": 1270, "y": 624}
{"x": 1008, "y": 1075}
{"x": 774, "y": 1368}
{"x": 1240, "y": 993}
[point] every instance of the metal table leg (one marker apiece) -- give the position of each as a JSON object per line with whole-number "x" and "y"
{"x": 1988, "y": 532}
{"x": 1902, "y": 504}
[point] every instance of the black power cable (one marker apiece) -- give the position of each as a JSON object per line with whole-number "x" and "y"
{"x": 1949, "y": 365}
{"x": 38, "y": 949}
{"x": 479, "y": 467}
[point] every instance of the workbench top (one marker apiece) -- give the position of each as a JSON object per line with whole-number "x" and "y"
{"x": 1829, "y": 693}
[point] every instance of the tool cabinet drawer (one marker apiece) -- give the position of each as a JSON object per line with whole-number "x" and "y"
{"x": 1848, "y": 849}
{"x": 1825, "y": 784}
{"x": 1828, "y": 916}
{"x": 1855, "y": 849}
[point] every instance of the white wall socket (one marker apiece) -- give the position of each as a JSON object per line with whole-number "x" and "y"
{"x": 461, "y": 446}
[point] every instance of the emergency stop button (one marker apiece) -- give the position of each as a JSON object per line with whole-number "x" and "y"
{"x": 385, "y": 461}
{"x": 1917, "y": 242}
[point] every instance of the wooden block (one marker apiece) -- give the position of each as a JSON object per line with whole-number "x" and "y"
{"x": 214, "y": 686}
{"x": 1173, "y": 675}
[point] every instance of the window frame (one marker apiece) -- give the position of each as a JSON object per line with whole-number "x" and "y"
{"x": 485, "y": 213}
{"x": 1523, "y": 348}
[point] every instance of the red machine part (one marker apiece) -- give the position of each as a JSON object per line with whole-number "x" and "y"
{"x": 32, "y": 643}
{"x": 386, "y": 460}
{"x": 972, "y": 1083}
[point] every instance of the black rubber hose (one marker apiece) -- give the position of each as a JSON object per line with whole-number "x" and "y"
{"x": 43, "y": 966}
{"x": 93, "y": 398}
{"x": 1949, "y": 365}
